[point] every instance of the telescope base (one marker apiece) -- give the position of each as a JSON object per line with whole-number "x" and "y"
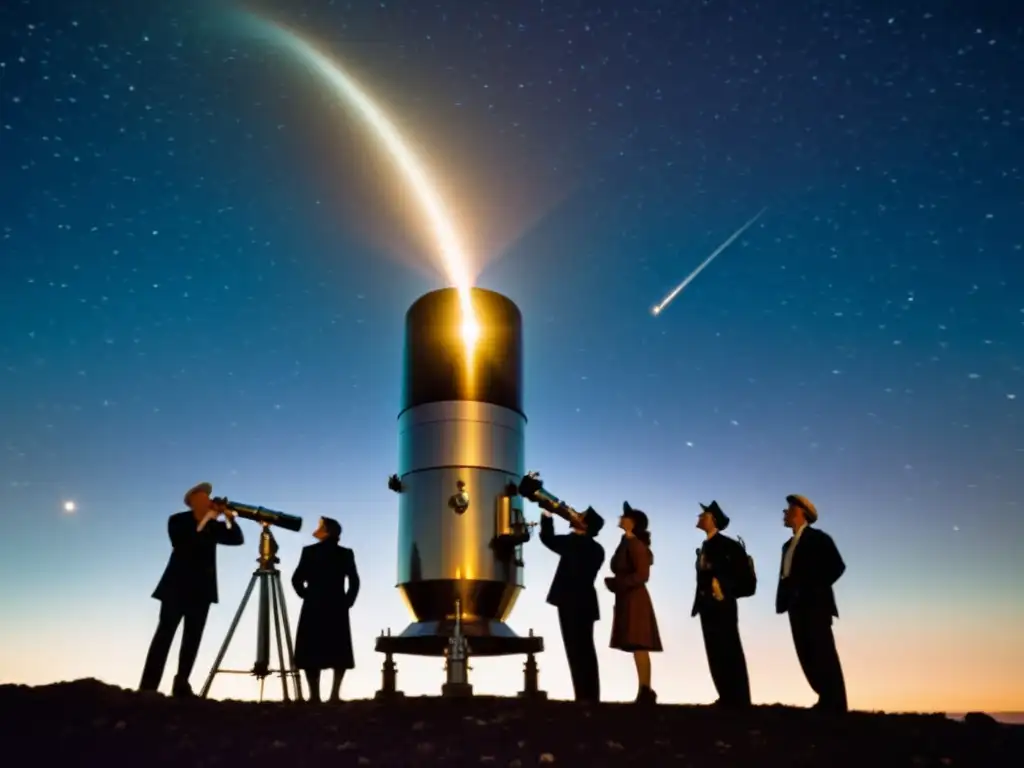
{"x": 485, "y": 638}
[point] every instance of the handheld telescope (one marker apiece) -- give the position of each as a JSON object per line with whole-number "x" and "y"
{"x": 531, "y": 487}
{"x": 261, "y": 515}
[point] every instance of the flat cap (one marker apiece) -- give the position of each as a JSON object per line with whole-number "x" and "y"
{"x": 810, "y": 511}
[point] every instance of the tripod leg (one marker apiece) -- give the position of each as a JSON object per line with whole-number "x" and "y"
{"x": 262, "y": 666}
{"x": 275, "y": 600}
{"x": 292, "y": 670}
{"x": 227, "y": 640}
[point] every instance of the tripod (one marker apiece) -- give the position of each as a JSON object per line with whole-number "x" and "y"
{"x": 271, "y": 598}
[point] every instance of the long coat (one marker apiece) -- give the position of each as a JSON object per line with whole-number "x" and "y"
{"x": 816, "y": 566}
{"x": 190, "y": 577}
{"x": 323, "y": 639}
{"x": 634, "y": 625}
{"x": 580, "y": 560}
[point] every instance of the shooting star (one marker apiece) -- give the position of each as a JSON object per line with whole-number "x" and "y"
{"x": 657, "y": 309}
{"x": 455, "y": 262}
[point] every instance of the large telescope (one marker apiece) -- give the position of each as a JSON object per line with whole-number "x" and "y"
{"x": 461, "y": 456}
{"x": 532, "y": 487}
{"x": 262, "y": 515}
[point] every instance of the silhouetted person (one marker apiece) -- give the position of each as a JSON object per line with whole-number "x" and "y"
{"x": 721, "y": 567}
{"x": 573, "y": 593}
{"x": 189, "y": 585}
{"x": 634, "y": 625}
{"x": 323, "y": 639}
{"x": 811, "y": 564}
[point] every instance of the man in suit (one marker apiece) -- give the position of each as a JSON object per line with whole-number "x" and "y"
{"x": 721, "y": 565}
{"x": 189, "y": 585}
{"x": 572, "y": 593}
{"x": 811, "y": 564}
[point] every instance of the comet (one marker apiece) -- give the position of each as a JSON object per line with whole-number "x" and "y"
{"x": 454, "y": 261}
{"x": 657, "y": 309}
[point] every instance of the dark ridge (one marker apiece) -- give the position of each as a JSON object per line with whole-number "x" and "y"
{"x": 87, "y": 723}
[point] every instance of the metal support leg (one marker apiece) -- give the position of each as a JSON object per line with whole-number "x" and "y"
{"x": 292, "y": 670}
{"x": 284, "y": 670}
{"x": 389, "y": 679}
{"x": 262, "y": 665}
{"x": 271, "y": 606}
{"x": 227, "y": 640}
{"x": 531, "y": 684}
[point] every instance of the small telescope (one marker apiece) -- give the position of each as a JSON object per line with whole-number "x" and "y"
{"x": 531, "y": 488}
{"x": 261, "y": 515}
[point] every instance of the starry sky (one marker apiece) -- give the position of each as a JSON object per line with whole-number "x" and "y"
{"x": 205, "y": 261}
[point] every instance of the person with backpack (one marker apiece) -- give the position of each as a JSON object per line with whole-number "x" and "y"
{"x": 725, "y": 573}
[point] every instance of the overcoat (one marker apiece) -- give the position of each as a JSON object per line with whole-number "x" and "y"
{"x": 634, "y": 625}
{"x": 327, "y": 581}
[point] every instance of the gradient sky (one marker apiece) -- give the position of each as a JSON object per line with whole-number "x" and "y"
{"x": 205, "y": 264}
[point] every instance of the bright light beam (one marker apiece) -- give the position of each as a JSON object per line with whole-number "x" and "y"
{"x": 454, "y": 261}
{"x": 657, "y": 309}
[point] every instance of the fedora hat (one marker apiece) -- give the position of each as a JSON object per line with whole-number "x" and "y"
{"x": 207, "y": 487}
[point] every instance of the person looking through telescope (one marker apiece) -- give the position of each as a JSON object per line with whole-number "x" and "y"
{"x": 323, "y": 639}
{"x": 634, "y": 625}
{"x": 572, "y": 593}
{"x": 188, "y": 586}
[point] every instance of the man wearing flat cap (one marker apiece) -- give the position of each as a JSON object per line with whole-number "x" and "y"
{"x": 573, "y": 594}
{"x": 811, "y": 564}
{"x": 723, "y": 573}
{"x": 188, "y": 586}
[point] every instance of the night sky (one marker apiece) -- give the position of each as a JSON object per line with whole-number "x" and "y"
{"x": 205, "y": 262}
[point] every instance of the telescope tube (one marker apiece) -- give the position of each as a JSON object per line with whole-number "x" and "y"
{"x": 264, "y": 515}
{"x": 461, "y": 454}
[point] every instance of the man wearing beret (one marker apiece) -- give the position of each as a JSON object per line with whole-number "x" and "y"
{"x": 722, "y": 566}
{"x": 189, "y": 585}
{"x": 572, "y": 593}
{"x": 811, "y": 564}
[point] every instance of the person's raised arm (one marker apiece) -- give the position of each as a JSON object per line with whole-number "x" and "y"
{"x": 547, "y": 535}
{"x": 228, "y": 535}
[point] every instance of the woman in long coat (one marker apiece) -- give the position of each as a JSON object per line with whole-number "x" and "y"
{"x": 323, "y": 639}
{"x": 634, "y": 625}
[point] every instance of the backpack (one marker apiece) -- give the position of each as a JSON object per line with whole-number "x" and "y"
{"x": 746, "y": 582}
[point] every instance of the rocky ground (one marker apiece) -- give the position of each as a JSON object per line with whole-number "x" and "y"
{"x": 87, "y": 723}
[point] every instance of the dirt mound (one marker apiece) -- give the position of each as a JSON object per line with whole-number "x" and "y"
{"x": 86, "y": 723}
